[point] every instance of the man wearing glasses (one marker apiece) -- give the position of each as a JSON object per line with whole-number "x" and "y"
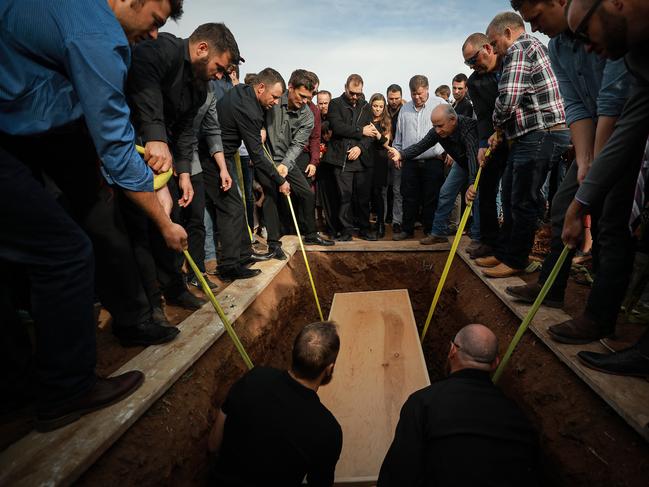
{"x": 479, "y": 55}
{"x": 350, "y": 122}
{"x": 462, "y": 417}
{"x": 594, "y": 92}
{"x": 612, "y": 30}
{"x": 529, "y": 112}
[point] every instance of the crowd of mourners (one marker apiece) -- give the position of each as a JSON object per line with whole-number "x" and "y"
{"x": 97, "y": 107}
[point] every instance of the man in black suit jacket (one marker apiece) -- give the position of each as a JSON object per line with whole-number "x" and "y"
{"x": 463, "y": 427}
{"x": 483, "y": 90}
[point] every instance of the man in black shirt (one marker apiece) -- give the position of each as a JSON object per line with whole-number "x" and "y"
{"x": 483, "y": 90}
{"x": 352, "y": 131}
{"x": 241, "y": 114}
{"x": 276, "y": 418}
{"x": 458, "y": 135}
{"x": 463, "y": 430}
{"x": 167, "y": 85}
{"x": 461, "y": 103}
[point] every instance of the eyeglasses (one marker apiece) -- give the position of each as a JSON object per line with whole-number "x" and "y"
{"x": 354, "y": 94}
{"x": 581, "y": 32}
{"x": 473, "y": 59}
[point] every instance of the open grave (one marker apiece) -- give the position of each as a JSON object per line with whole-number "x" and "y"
{"x": 583, "y": 441}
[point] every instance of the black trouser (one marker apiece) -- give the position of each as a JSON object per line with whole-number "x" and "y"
{"x": 193, "y": 219}
{"x": 58, "y": 257}
{"x": 160, "y": 267}
{"x": 304, "y": 207}
{"x": 488, "y": 187}
{"x": 531, "y": 157}
{"x": 248, "y": 176}
{"x": 69, "y": 158}
{"x": 230, "y": 215}
{"x": 613, "y": 239}
{"x": 350, "y": 183}
{"x": 378, "y": 203}
{"x": 328, "y": 191}
{"x": 421, "y": 180}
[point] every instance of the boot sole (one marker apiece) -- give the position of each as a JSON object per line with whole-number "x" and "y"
{"x": 610, "y": 372}
{"x": 45, "y": 425}
{"x": 572, "y": 340}
{"x": 546, "y": 302}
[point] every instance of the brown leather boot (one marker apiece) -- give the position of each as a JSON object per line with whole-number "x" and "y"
{"x": 529, "y": 292}
{"x": 501, "y": 270}
{"x": 579, "y": 331}
{"x": 490, "y": 261}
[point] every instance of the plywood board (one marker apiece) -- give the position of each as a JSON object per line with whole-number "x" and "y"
{"x": 629, "y": 396}
{"x": 61, "y": 456}
{"x": 379, "y": 365}
{"x": 379, "y": 246}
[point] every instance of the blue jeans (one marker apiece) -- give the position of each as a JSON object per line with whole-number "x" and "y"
{"x": 455, "y": 182}
{"x": 531, "y": 157}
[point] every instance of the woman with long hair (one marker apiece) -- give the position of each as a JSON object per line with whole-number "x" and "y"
{"x": 377, "y": 159}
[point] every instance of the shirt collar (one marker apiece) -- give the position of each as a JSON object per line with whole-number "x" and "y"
{"x": 469, "y": 373}
{"x": 188, "y": 58}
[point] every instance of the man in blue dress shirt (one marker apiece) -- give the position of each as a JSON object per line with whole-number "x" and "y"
{"x": 63, "y": 113}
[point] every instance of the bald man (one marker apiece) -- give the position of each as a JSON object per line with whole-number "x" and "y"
{"x": 458, "y": 135}
{"x": 462, "y": 421}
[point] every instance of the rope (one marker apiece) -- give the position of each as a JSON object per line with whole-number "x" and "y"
{"x": 451, "y": 255}
{"x": 226, "y": 323}
{"x": 531, "y": 313}
{"x": 299, "y": 237}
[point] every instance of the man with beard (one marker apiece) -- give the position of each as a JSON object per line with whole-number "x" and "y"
{"x": 63, "y": 112}
{"x": 167, "y": 85}
{"x": 394, "y": 96}
{"x": 463, "y": 418}
{"x": 479, "y": 55}
{"x": 594, "y": 91}
{"x": 614, "y": 29}
{"x": 276, "y": 417}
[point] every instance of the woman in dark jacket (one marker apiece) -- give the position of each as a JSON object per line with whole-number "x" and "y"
{"x": 376, "y": 159}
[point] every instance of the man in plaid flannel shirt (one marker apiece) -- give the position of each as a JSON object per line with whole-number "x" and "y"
{"x": 529, "y": 113}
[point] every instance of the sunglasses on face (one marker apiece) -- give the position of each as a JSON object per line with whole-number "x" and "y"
{"x": 581, "y": 32}
{"x": 473, "y": 59}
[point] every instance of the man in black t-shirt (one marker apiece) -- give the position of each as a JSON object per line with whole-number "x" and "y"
{"x": 272, "y": 428}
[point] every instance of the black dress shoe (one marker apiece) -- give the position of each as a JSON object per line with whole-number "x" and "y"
{"x": 380, "y": 230}
{"x": 318, "y": 240}
{"x": 260, "y": 257}
{"x": 277, "y": 253}
{"x": 145, "y": 334}
{"x": 625, "y": 362}
{"x": 402, "y": 236}
{"x": 396, "y": 228}
{"x": 237, "y": 272}
{"x": 186, "y": 300}
{"x": 367, "y": 235}
{"x": 102, "y": 394}
{"x": 158, "y": 316}
{"x": 528, "y": 293}
{"x": 344, "y": 237}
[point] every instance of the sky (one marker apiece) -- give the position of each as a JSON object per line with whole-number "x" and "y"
{"x": 382, "y": 42}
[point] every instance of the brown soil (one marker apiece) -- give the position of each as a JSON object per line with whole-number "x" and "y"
{"x": 583, "y": 441}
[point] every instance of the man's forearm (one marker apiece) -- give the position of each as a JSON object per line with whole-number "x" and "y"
{"x": 605, "y": 127}
{"x": 220, "y": 161}
{"x": 151, "y": 206}
{"x": 582, "y": 133}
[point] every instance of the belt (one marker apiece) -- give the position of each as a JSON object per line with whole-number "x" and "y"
{"x": 554, "y": 128}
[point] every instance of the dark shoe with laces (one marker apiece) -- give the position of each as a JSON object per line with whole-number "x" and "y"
{"x": 396, "y": 228}
{"x": 344, "y": 237}
{"x": 629, "y": 361}
{"x": 529, "y": 292}
{"x": 578, "y": 331}
{"x": 277, "y": 253}
{"x": 237, "y": 272}
{"x": 367, "y": 235}
{"x": 158, "y": 316}
{"x": 103, "y": 393}
{"x": 317, "y": 239}
{"x": 482, "y": 250}
{"x": 186, "y": 300}
{"x": 145, "y": 334}
{"x": 193, "y": 281}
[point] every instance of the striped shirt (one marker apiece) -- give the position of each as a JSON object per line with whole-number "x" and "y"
{"x": 528, "y": 91}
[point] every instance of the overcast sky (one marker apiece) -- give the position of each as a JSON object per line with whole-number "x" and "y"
{"x": 383, "y": 41}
